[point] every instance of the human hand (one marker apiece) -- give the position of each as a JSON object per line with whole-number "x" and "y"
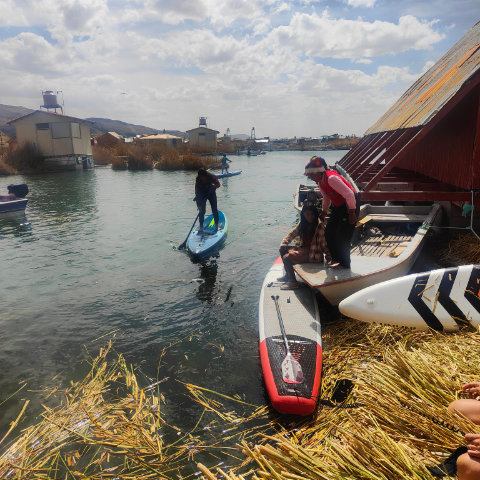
{"x": 352, "y": 217}
{"x": 472, "y": 389}
{"x": 323, "y": 215}
{"x": 473, "y": 444}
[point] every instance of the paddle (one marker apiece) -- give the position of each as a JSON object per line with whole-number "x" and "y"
{"x": 291, "y": 369}
{"x": 182, "y": 246}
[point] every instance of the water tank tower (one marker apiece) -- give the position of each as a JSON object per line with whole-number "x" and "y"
{"x": 50, "y": 101}
{"x": 202, "y": 122}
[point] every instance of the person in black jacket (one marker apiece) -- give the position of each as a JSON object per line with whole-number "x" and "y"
{"x": 205, "y": 189}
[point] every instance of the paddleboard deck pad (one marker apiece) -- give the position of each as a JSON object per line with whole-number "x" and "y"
{"x": 443, "y": 299}
{"x": 208, "y": 242}
{"x": 301, "y": 318}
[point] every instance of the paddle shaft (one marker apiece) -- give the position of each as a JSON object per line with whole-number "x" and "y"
{"x": 182, "y": 246}
{"x": 280, "y": 321}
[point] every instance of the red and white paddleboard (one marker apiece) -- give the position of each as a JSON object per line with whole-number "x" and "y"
{"x": 301, "y": 320}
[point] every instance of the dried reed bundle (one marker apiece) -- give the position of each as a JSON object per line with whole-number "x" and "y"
{"x": 393, "y": 425}
{"x": 462, "y": 249}
{"x": 106, "y": 427}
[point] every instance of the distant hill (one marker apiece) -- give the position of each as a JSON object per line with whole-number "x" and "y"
{"x": 126, "y": 129}
{"x": 99, "y": 125}
{"x": 9, "y": 112}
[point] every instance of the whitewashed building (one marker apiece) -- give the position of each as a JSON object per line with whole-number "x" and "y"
{"x": 63, "y": 141}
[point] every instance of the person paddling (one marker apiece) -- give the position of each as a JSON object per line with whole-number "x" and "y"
{"x": 338, "y": 194}
{"x": 225, "y": 162}
{"x": 205, "y": 186}
{"x": 312, "y": 249}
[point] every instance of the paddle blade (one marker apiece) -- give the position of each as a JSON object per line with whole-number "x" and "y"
{"x": 291, "y": 370}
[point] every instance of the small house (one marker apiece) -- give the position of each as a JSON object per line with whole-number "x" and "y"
{"x": 63, "y": 141}
{"x": 161, "y": 139}
{"x": 202, "y": 137}
{"x": 109, "y": 139}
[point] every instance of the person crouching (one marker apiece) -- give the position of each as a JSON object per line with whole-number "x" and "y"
{"x": 312, "y": 249}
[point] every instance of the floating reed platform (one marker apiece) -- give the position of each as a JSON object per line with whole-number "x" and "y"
{"x": 392, "y": 426}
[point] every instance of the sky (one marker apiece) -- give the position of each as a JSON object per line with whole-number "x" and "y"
{"x": 288, "y": 68}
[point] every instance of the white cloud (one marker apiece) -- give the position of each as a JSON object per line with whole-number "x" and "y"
{"x": 325, "y": 36}
{"x": 176, "y": 60}
{"x": 361, "y": 3}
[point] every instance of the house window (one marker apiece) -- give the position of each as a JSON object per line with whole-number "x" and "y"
{"x": 61, "y": 130}
{"x": 43, "y": 126}
{"x": 76, "y": 130}
{"x": 201, "y": 134}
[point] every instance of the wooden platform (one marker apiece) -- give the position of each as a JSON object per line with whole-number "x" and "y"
{"x": 381, "y": 246}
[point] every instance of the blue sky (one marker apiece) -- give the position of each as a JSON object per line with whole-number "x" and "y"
{"x": 303, "y": 68}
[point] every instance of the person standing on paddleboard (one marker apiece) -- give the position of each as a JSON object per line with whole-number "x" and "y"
{"x": 313, "y": 248}
{"x": 338, "y": 194}
{"x": 225, "y": 162}
{"x": 206, "y": 185}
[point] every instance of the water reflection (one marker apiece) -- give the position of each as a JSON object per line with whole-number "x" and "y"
{"x": 208, "y": 273}
{"x": 63, "y": 196}
{"x": 14, "y": 223}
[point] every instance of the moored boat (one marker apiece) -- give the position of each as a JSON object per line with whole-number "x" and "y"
{"x": 386, "y": 243}
{"x": 15, "y": 201}
{"x": 204, "y": 244}
{"x": 303, "y": 193}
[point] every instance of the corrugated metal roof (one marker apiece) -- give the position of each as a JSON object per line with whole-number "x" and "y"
{"x": 55, "y": 115}
{"x": 420, "y": 103}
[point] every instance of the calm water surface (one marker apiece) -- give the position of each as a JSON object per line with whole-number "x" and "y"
{"x": 95, "y": 254}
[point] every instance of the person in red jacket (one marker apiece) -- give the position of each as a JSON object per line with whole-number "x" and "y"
{"x": 339, "y": 196}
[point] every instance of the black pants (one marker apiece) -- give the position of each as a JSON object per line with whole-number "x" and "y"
{"x": 339, "y": 233}
{"x": 211, "y": 196}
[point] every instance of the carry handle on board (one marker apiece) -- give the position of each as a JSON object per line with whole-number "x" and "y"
{"x": 291, "y": 370}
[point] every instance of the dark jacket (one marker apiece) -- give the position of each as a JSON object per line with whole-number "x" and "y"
{"x": 206, "y": 185}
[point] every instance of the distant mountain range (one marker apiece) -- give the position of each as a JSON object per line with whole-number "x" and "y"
{"x": 99, "y": 125}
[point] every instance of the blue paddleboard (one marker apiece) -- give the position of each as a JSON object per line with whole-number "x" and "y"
{"x": 228, "y": 174}
{"x": 206, "y": 243}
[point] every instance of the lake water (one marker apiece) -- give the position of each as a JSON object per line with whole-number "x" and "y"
{"x": 95, "y": 255}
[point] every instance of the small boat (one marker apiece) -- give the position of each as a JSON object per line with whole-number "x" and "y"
{"x": 289, "y": 318}
{"x": 200, "y": 246}
{"x": 443, "y": 299}
{"x": 386, "y": 243}
{"x": 228, "y": 174}
{"x": 306, "y": 192}
{"x": 15, "y": 201}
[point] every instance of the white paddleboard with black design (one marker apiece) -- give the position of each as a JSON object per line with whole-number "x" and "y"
{"x": 289, "y": 390}
{"x": 443, "y": 299}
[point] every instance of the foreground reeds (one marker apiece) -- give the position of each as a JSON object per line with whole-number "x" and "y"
{"x": 394, "y": 424}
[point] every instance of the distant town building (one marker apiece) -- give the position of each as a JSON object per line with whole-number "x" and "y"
{"x": 109, "y": 139}
{"x": 161, "y": 139}
{"x": 203, "y": 137}
{"x": 63, "y": 141}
